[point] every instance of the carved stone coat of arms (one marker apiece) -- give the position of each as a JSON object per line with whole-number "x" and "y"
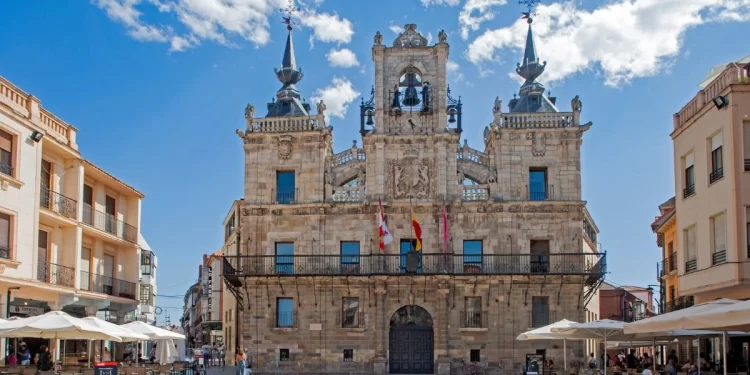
{"x": 410, "y": 178}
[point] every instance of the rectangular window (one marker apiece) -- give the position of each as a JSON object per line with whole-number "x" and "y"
{"x": 350, "y": 312}
{"x": 539, "y": 311}
{"x": 285, "y": 258}
{"x": 229, "y": 229}
{"x": 411, "y": 261}
{"x": 539, "y": 256}
{"x": 284, "y": 355}
{"x": 147, "y": 260}
{"x": 4, "y": 236}
{"x": 718, "y": 232}
{"x": 349, "y": 257}
{"x": 348, "y": 355}
{"x": 473, "y": 313}
{"x": 717, "y": 162}
{"x": 146, "y": 297}
{"x": 473, "y": 256}
{"x": 285, "y": 187}
{"x": 110, "y": 218}
{"x": 474, "y": 355}
{"x": 6, "y": 153}
{"x": 538, "y": 184}
{"x": 691, "y": 264}
{"x": 689, "y": 176}
{"x": 284, "y": 312}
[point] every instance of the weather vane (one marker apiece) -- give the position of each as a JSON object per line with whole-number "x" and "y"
{"x": 530, "y": 5}
{"x": 289, "y": 10}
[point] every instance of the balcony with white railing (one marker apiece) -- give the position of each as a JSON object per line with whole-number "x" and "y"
{"x": 287, "y": 124}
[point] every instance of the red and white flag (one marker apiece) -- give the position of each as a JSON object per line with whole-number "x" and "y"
{"x": 383, "y": 233}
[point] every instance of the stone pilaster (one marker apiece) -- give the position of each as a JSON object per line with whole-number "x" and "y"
{"x": 443, "y": 360}
{"x": 380, "y": 361}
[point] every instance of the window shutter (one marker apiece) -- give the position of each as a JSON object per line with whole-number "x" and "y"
{"x": 4, "y": 231}
{"x": 689, "y": 160}
{"x": 6, "y": 141}
{"x": 720, "y": 233}
{"x": 716, "y": 142}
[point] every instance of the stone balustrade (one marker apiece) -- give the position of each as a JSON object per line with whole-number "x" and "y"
{"x": 287, "y": 124}
{"x": 537, "y": 120}
{"x": 475, "y": 193}
{"x": 348, "y": 156}
{"x": 469, "y": 154}
{"x": 345, "y": 194}
{"x": 29, "y": 107}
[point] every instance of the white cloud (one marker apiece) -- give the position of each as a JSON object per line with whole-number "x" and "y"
{"x": 337, "y": 96}
{"x": 344, "y": 58}
{"x": 440, "y": 2}
{"x": 219, "y": 21}
{"x": 454, "y": 74}
{"x": 429, "y": 38}
{"x": 625, "y": 39}
{"x": 396, "y": 29}
{"x": 476, "y": 12}
{"x": 328, "y": 27}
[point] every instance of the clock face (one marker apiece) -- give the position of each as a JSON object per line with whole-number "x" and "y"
{"x": 412, "y": 123}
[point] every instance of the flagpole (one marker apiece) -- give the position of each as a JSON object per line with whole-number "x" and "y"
{"x": 411, "y": 226}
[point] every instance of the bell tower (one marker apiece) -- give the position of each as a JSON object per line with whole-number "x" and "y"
{"x": 411, "y": 125}
{"x": 411, "y": 90}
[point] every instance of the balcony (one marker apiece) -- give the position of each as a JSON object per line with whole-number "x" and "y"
{"x": 58, "y": 203}
{"x": 715, "y": 175}
{"x": 285, "y": 197}
{"x": 107, "y": 285}
{"x": 4, "y": 252}
{"x": 474, "y": 193}
{"x": 678, "y": 304}
{"x": 474, "y": 319}
{"x": 55, "y": 274}
{"x": 416, "y": 263}
{"x": 747, "y": 165}
{"x": 352, "y": 319}
{"x": 537, "y": 195}
{"x": 688, "y": 191}
{"x": 147, "y": 262}
{"x": 672, "y": 262}
{"x": 691, "y": 266}
{"x": 108, "y": 223}
{"x": 719, "y": 257}
{"x": 6, "y": 169}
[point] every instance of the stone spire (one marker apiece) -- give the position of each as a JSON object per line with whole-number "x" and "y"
{"x": 531, "y": 95}
{"x": 288, "y": 101}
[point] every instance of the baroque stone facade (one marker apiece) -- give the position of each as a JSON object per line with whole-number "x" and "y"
{"x": 381, "y": 313}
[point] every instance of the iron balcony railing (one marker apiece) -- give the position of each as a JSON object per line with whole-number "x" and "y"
{"x": 715, "y": 175}
{"x": 416, "y": 263}
{"x": 672, "y": 260}
{"x": 108, "y": 223}
{"x": 719, "y": 257}
{"x": 107, "y": 285}
{"x": 679, "y": 304}
{"x": 352, "y": 319}
{"x": 691, "y": 266}
{"x": 55, "y": 274}
{"x": 285, "y": 197}
{"x": 6, "y": 169}
{"x": 4, "y": 252}
{"x": 474, "y": 319}
{"x": 747, "y": 165}
{"x": 58, "y": 203}
{"x": 688, "y": 191}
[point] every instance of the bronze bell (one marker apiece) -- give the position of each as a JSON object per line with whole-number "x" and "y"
{"x": 411, "y": 97}
{"x": 369, "y": 118}
{"x": 452, "y": 114}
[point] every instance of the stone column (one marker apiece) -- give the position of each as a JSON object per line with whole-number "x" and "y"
{"x": 380, "y": 360}
{"x": 444, "y": 360}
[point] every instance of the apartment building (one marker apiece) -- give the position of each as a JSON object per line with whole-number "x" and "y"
{"x": 711, "y": 139}
{"x": 69, "y": 230}
{"x": 230, "y": 303}
{"x": 665, "y": 227}
{"x": 212, "y": 296}
{"x": 190, "y": 315}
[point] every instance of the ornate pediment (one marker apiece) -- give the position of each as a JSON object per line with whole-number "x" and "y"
{"x": 410, "y": 38}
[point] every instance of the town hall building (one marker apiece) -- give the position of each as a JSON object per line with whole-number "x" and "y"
{"x": 502, "y": 247}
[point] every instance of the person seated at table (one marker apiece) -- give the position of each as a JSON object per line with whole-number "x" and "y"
{"x": 550, "y": 365}
{"x": 693, "y": 370}
{"x": 647, "y": 369}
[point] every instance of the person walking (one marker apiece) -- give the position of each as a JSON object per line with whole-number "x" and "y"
{"x": 241, "y": 360}
{"x": 222, "y": 355}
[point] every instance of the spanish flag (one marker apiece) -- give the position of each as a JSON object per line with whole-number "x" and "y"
{"x": 417, "y": 231}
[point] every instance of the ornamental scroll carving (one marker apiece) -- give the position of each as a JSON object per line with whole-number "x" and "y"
{"x": 410, "y": 178}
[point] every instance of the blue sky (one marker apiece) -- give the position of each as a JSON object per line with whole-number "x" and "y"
{"x": 157, "y": 88}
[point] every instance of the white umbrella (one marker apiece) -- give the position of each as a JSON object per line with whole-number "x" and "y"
{"x": 122, "y": 332}
{"x": 54, "y": 325}
{"x": 675, "y": 320}
{"x": 545, "y": 333}
{"x": 166, "y": 352}
{"x": 153, "y": 332}
{"x": 604, "y": 329}
{"x": 732, "y": 316}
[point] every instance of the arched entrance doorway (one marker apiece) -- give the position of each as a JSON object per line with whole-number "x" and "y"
{"x": 411, "y": 341}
